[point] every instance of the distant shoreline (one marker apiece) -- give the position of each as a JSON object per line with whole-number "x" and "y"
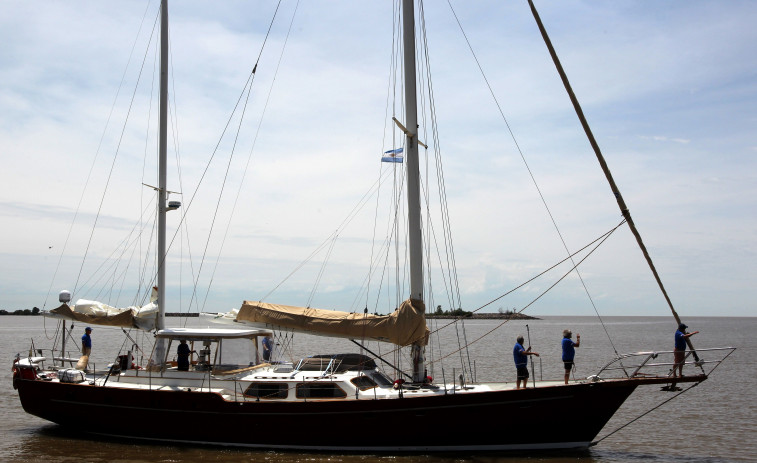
{"x": 475, "y": 316}
{"x": 487, "y": 316}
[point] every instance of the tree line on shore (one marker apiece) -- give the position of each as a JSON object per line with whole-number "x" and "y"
{"x": 460, "y": 313}
{"x": 34, "y": 311}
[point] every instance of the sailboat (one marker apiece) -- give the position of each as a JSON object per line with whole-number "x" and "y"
{"x": 324, "y": 402}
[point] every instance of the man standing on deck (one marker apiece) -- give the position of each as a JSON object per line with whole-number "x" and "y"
{"x": 86, "y": 342}
{"x": 267, "y": 348}
{"x": 569, "y": 351}
{"x": 679, "y": 353}
{"x": 520, "y": 355}
{"x": 182, "y": 356}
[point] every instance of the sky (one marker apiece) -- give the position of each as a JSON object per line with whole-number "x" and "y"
{"x": 668, "y": 88}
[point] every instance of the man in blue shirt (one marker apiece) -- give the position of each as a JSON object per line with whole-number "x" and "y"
{"x": 569, "y": 351}
{"x": 267, "y": 348}
{"x": 520, "y": 355}
{"x": 679, "y": 352}
{"x": 86, "y": 342}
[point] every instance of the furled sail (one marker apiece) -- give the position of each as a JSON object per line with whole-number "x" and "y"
{"x": 405, "y": 326}
{"x": 97, "y": 313}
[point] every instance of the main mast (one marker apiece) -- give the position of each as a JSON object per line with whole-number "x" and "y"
{"x": 415, "y": 240}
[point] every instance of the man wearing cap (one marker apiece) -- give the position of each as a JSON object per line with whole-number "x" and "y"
{"x": 520, "y": 355}
{"x": 679, "y": 353}
{"x": 86, "y": 342}
{"x": 569, "y": 351}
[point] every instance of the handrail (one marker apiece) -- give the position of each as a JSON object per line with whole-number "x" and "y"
{"x": 647, "y": 367}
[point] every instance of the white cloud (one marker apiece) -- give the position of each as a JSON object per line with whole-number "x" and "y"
{"x": 668, "y": 91}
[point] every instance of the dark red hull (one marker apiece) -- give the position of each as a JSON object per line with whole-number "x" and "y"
{"x": 483, "y": 421}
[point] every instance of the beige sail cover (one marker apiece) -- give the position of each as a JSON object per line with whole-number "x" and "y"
{"x": 97, "y": 313}
{"x": 124, "y": 319}
{"x": 405, "y": 326}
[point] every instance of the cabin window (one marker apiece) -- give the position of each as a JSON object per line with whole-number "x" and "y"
{"x": 268, "y": 390}
{"x": 382, "y": 379}
{"x": 363, "y": 382}
{"x": 320, "y": 391}
{"x": 235, "y": 353}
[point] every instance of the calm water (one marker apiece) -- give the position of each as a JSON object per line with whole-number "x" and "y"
{"x": 714, "y": 422}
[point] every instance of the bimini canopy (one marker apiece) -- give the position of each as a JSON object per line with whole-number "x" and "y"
{"x": 194, "y": 334}
{"x": 405, "y": 326}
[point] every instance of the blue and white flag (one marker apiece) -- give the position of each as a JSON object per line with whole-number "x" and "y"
{"x": 392, "y": 155}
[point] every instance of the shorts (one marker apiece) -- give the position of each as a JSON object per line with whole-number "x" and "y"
{"x": 679, "y": 356}
{"x": 522, "y": 372}
{"x": 568, "y": 365}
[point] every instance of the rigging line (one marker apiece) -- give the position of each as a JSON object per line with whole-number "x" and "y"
{"x": 373, "y": 267}
{"x": 141, "y": 197}
{"x": 391, "y": 230}
{"x": 323, "y": 268}
{"x": 141, "y": 274}
{"x": 375, "y": 228}
{"x": 112, "y": 166}
{"x": 97, "y": 154}
{"x": 431, "y": 237}
{"x": 120, "y": 276}
{"x": 447, "y": 282}
{"x": 146, "y": 261}
{"x": 362, "y": 346}
{"x": 530, "y": 173}
{"x": 454, "y": 291}
{"x": 220, "y": 198}
{"x": 350, "y": 216}
{"x": 397, "y": 87}
{"x": 390, "y": 92}
{"x": 249, "y": 156}
{"x": 444, "y": 209}
{"x": 109, "y": 260}
{"x": 257, "y": 132}
{"x": 250, "y": 82}
{"x": 345, "y": 222}
{"x": 123, "y": 274}
{"x": 396, "y": 230}
{"x": 645, "y": 413}
{"x": 615, "y": 190}
{"x": 384, "y": 269}
{"x": 400, "y": 269}
{"x": 205, "y": 171}
{"x": 570, "y": 257}
{"x": 172, "y": 111}
{"x": 598, "y": 241}
{"x": 375, "y": 222}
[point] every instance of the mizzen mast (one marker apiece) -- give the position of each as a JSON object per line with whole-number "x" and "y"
{"x": 162, "y": 159}
{"x": 160, "y": 322}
